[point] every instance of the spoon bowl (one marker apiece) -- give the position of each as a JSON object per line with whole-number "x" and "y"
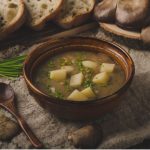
{"x": 6, "y": 92}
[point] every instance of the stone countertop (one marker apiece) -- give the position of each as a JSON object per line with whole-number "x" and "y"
{"x": 126, "y": 126}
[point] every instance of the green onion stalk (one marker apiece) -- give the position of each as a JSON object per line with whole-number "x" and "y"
{"x": 12, "y": 68}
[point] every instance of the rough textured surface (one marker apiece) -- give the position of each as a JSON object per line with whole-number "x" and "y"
{"x": 128, "y": 125}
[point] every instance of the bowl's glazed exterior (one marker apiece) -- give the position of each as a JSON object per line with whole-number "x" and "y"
{"x": 74, "y": 110}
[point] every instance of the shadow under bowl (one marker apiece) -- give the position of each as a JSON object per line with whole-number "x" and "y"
{"x": 75, "y": 110}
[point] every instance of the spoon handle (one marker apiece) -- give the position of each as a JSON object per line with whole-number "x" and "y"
{"x": 34, "y": 140}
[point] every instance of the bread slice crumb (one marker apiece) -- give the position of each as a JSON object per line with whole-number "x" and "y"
{"x": 12, "y": 16}
{"x": 41, "y": 11}
{"x": 75, "y": 12}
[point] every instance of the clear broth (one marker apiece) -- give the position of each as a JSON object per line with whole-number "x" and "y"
{"x": 62, "y": 90}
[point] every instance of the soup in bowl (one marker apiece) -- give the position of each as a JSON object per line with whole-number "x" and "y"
{"x": 78, "y": 78}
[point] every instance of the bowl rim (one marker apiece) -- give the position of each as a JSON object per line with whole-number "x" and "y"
{"x": 52, "y": 99}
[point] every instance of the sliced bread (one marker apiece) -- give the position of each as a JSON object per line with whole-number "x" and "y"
{"x": 75, "y": 12}
{"x": 12, "y": 16}
{"x": 41, "y": 11}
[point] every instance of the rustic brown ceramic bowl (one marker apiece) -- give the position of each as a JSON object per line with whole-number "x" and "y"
{"x": 75, "y": 110}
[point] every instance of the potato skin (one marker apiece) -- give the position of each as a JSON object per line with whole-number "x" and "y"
{"x": 105, "y": 11}
{"x": 131, "y": 13}
{"x": 8, "y": 128}
{"x": 88, "y": 137}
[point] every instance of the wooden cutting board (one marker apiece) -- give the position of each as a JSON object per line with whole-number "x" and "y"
{"x": 112, "y": 28}
{"x": 27, "y": 37}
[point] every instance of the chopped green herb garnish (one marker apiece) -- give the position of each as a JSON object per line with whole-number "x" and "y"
{"x": 88, "y": 83}
{"x": 51, "y": 65}
{"x": 49, "y": 87}
{"x": 65, "y": 61}
{"x": 79, "y": 65}
{"x": 88, "y": 73}
{"x": 67, "y": 86}
{"x": 58, "y": 94}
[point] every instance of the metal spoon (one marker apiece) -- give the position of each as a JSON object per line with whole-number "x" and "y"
{"x": 7, "y": 97}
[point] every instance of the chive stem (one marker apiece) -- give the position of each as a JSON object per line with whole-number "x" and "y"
{"x": 12, "y": 68}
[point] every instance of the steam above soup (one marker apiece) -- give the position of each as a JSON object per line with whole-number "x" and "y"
{"x": 79, "y": 76}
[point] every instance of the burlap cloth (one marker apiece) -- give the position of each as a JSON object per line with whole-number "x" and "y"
{"x": 128, "y": 125}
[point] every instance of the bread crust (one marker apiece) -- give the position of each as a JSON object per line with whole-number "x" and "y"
{"x": 41, "y": 23}
{"x": 16, "y": 23}
{"x": 78, "y": 20}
